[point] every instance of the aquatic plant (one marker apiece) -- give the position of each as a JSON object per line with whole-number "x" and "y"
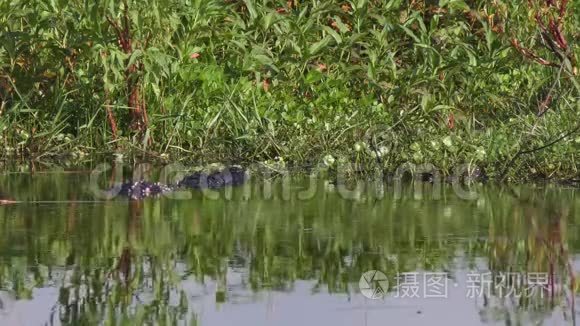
{"x": 445, "y": 82}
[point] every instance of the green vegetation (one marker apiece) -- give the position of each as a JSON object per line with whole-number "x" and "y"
{"x": 442, "y": 82}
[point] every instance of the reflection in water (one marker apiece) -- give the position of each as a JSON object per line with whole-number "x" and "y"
{"x": 273, "y": 261}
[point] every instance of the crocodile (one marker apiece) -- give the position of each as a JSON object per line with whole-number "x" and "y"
{"x": 5, "y": 200}
{"x": 231, "y": 176}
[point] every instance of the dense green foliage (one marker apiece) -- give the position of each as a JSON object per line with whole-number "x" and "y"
{"x": 256, "y": 80}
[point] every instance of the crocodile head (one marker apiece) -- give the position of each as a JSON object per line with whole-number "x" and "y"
{"x": 5, "y": 200}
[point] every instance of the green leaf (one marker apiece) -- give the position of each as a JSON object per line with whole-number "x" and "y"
{"x": 411, "y": 34}
{"x": 134, "y": 57}
{"x": 267, "y": 20}
{"x": 361, "y": 4}
{"x": 334, "y": 34}
{"x": 313, "y": 76}
{"x": 454, "y": 4}
{"x": 263, "y": 59}
{"x": 316, "y": 47}
{"x": 251, "y": 9}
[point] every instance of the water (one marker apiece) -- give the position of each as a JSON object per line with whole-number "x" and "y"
{"x": 259, "y": 259}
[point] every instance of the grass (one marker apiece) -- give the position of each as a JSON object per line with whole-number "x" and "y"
{"x": 439, "y": 82}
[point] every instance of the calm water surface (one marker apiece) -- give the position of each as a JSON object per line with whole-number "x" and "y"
{"x": 259, "y": 259}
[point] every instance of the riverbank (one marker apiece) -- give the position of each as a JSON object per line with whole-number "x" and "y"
{"x": 375, "y": 84}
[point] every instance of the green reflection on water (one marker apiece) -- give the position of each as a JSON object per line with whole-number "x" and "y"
{"x": 123, "y": 262}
